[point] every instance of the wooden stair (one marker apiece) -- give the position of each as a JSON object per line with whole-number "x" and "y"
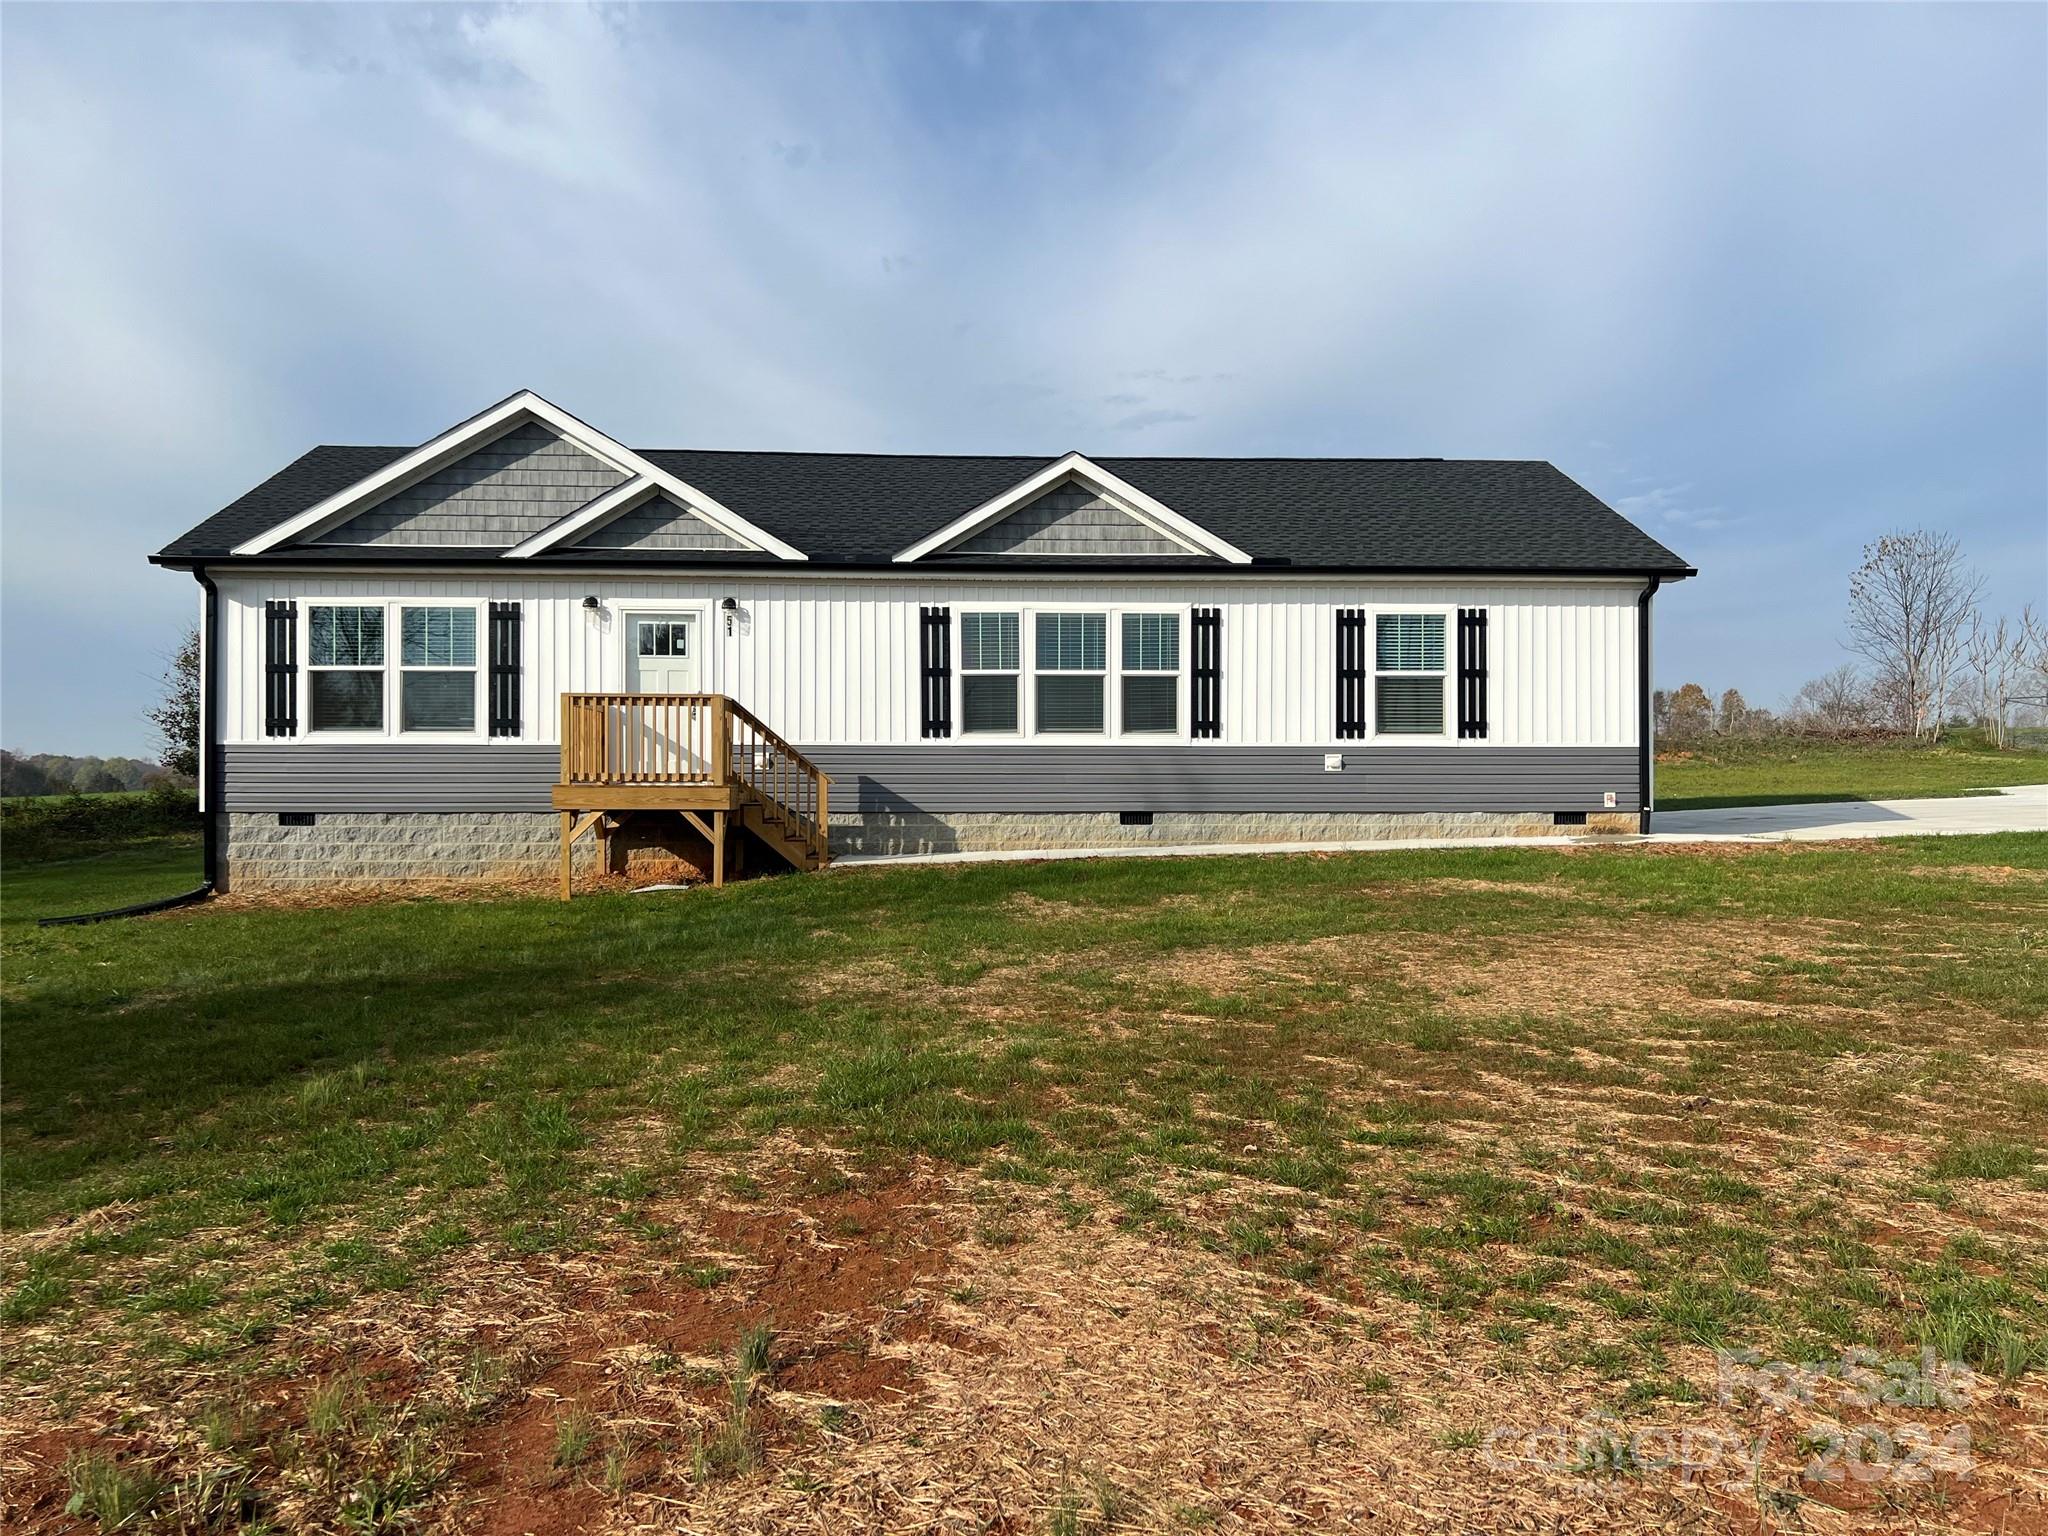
{"x": 700, "y": 755}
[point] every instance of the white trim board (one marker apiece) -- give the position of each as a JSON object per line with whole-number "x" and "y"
{"x": 1148, "y": 510}
{"x": 486, "y": 427}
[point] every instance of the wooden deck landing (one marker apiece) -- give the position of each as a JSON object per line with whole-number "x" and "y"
{"x": 698, "y": 755}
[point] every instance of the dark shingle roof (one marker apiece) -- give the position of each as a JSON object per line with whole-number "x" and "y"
{"x": 860, "y": 509}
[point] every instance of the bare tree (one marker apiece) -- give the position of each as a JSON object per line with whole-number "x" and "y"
{"x": 1908, "y": 604}
{"x": 1733, "y": 714}
{"x": 1835, "y": 701}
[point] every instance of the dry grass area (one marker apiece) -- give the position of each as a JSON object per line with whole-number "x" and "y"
{"x": 940, "y": 1356}
{"x": 1393, "y": 1195}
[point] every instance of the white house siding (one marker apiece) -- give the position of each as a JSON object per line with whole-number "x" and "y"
{"x": 832, "y": 661}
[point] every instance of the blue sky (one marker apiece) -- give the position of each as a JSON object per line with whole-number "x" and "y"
{"x": 1770, "y": 279}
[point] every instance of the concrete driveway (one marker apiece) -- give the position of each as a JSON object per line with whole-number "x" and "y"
{"x": 2024, "y": 809}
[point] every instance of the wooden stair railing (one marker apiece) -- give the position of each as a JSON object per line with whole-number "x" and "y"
{"x": 713, "y": 754}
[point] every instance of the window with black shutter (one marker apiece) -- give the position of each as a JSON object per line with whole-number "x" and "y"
{"x": 280, "y": 669}
{"x": 1472, "y": 672}
{"x": 1351, "y": 674}
{"x": 504, "y": 674}
{"x": 936, "y": 677}
{"x": 1205, "y": 678}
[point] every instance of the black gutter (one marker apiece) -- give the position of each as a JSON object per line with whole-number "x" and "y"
{"x": 209, "y": 768}
{"x": 1644, "y": 744}
{"x": 612, "y": 561}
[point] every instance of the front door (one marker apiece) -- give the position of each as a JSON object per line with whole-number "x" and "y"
{"x": 666, "y": 741}
{"x": 664, "y": 653}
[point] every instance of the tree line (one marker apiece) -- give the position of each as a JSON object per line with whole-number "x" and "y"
{"x": 1928, "y": 657}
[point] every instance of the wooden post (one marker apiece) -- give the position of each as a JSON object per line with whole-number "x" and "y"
{"x": 721, "y": 740}
{"x": 717, "y": 849}
{"x": 568, "y": 824}
{"x": 604, "y": 845}
{"x": 824, "y": 821}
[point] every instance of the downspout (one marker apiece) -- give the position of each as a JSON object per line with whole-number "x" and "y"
{"x": 1645, "y": 726}
{"x": 209, "y": 767}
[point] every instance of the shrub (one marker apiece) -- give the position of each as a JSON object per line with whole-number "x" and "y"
{"x": 76, "y": 824}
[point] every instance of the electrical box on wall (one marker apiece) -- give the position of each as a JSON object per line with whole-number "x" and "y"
{"x": 1333, "y": 762}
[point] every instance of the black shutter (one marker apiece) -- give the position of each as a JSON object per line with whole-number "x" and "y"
{"x": 505, "y": 652}
{"x": 937, "y": 652}
{"x": 1472, "y": 672}
{"x": 280, "y": 669}
{"x": 1351, "y": 670}
{"x": 1205, "y": 683}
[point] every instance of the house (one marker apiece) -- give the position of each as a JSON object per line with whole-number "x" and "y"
{"x": 456, "y": 659}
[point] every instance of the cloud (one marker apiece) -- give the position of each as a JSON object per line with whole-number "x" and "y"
{"x": 1782, "y": 268}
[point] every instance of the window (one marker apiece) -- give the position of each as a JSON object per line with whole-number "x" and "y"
{"x": 1072, "y": 656}
{"x": 664, "y": 637}
{"x": 345, "y": 669}
{"x": 437, "y": 669}
{"x": 1151, "y": 673}
{"x": 990, "y": 661}
{"x": 1408, "y": 691}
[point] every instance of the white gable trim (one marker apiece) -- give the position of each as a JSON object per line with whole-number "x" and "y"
{"x": 612, "y": 505}
{"x": 481, "y": 429}
{"x": 1154, "y": 513}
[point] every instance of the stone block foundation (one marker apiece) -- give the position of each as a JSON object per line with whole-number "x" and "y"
{"x": 896, "y": 832}
{"x": 395, "y": 847}
{"x": 401, "y": 847}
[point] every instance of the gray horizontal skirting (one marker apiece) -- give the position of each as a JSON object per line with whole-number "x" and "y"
{"x": 956, "y": 776}
{"x": 408, "y": 776}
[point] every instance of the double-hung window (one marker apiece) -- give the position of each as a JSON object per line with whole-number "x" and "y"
{"x": 1072, "y": 658}
{"x": 990, "y": 665}
{"x": 1408, "y": 663}
{"x": 1151, "y": 673}
{"x": 437, "y": 669}
{"x": 345, "y": 668}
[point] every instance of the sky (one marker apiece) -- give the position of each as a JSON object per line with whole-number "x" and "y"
{"x": 1768, "y": 279}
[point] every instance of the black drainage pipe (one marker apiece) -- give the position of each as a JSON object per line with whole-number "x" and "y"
{"x": 209, "y": 835}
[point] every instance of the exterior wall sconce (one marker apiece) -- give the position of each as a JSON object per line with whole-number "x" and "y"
{"x": 729, "y": 608}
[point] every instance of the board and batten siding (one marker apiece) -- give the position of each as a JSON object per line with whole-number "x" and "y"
{"x": 833, "y": 660}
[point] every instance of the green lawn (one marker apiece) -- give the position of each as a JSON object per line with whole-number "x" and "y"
{"x": 1568, "y": 1116}
{"x": 1786, "y": 770}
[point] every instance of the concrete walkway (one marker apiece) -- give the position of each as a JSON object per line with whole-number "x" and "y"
{"x": 2023, "y": 809}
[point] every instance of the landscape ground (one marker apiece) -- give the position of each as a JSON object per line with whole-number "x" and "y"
{"x": 1397, "y": 1190}
{"x": 1791, "y": 768}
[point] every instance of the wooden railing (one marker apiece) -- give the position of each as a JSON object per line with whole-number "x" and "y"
{"x": 698, "y": 740}
{"x": 787, "y": 783}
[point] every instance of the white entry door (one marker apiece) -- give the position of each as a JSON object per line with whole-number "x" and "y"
{"x": 666, "y": 740}
{"x": 664, "y": 653}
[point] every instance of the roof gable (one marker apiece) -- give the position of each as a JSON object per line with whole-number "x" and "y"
{"x": 495, "y": 497}
{"x": 1183, "y": 535}
{"x": 653, "y": 522}
{"x": 1073, "y": 520}
{"x": 482, "y": 429}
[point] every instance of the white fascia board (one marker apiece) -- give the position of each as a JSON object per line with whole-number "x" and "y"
{"x": 596, "y": 512}
{"x": 483, "y": 428}
{"x": 1147, "y": 509}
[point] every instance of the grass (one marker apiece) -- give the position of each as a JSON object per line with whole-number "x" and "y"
{"x": 1783, "y": 770}
{"x": 1570, "y": 1112}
